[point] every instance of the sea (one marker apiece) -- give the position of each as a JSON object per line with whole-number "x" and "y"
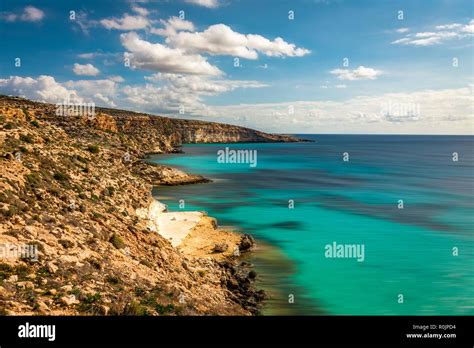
{"x": 356, "y": 224}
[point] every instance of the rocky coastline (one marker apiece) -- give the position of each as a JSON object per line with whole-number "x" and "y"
{"x": 75, "y": 189}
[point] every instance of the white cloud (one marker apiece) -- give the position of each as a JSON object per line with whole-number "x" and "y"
{"x": 328, "y": 86}
{"x": 91, "y": 87}
{"x": 140, "y": 10}
{"x": 439, "y": 35}
{"x": 448, "y": 26}
{"x": 102, "y": 92}
{"x": 29, "y": 14}
{"x": 127, "y": 22}
{"x": 32, "y": 14}
{"x": 116, "y": 78}
{"x": 104, "y": 100}
{"x": 44, "y": 88}
{"x": 402, "y": 30}
{"x": 168, "y": 92}
{"x": 469, "y": 28}
{"x": 219, "y": 39}
{"x": 83, "y": 23}
{"x": 202, "y": 84}
{"x": 205, "y": 3}
{"x": 89, "y": 55}
{"x": 361, "y": 73}
{"x": 107, "y": 56}
{"x": 447, "y": 111}
{"x": 172, "y": 26}
{"x": 85, "y": 69}
{"x": 157, "y": 57}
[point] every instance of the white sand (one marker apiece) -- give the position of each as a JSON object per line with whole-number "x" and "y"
{"x": 176, "y": 226}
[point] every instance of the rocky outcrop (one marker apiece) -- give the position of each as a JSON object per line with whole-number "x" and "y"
{"x": 143, "y": 133}
{"x": 247, "y": 242}
{"x": 78, "y": 196}
{"x": 164, "y": 175}
{"x": 206, "y": 132}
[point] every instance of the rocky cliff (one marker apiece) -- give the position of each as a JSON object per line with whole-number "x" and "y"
{"x": 144, "y": 132}
{"x": 72, "y": 240}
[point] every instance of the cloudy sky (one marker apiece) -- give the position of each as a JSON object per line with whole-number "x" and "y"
{"x": 302, "y": 66}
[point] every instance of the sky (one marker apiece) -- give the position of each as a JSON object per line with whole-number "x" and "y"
{"x": 301, "y": 66}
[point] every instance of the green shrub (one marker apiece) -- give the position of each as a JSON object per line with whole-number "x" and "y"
{"x": 33, "y": 179}
{"x": 81, "y": 159}
{"x": 26, "y": 138}
{"x": 35, "y": 123}
{"x": 23, "y": 149}
{"x": 98, "y": 216}
{"x": 11, "y": 211}
{"x": 139, "y": 291}
{"x": 114, "y": 280}
{"x": 93, "y": 148}
{"x": 26, "y": 113}
{"x": 90, "y": 304}
{"x": 117, "y": 241}
{"x": 135, "y": 309}
{"x": 163, "y": 310}
{"x": 59, "y": 176}
{"x": 110, "y": 190}
{"x": 66, "y": 243}
{"x": 5, "y": 271}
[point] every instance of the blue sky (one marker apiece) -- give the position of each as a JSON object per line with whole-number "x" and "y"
{"x": 404, "y": 75}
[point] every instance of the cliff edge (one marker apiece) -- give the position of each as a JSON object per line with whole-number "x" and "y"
{"x": 73, "y": 236}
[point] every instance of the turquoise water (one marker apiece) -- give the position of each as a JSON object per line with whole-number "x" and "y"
{"x": 407, "y": 251}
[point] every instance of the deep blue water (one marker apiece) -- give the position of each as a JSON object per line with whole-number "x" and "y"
{"x": 409, "y": 251}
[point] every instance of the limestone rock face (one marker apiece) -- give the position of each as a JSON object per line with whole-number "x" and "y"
{"x": 145, "y": 133}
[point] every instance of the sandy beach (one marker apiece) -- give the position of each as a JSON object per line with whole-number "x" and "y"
{"x": 192, "y": 232}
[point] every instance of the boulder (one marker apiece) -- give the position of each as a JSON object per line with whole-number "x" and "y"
{"x": 69, "y": 300}
{"x": 220, "y": 247}
{"x": 52, "y": 268}
{"x": 247, "y": 242}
